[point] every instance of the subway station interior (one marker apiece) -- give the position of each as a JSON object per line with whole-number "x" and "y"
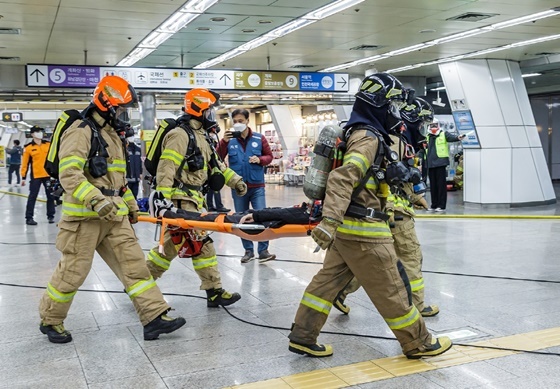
{"x": 489, "y": 71}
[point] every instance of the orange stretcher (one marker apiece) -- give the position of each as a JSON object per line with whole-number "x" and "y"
{"x": 253, "y": 232}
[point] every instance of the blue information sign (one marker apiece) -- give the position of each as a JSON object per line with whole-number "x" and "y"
{"x": 465, "y": 125}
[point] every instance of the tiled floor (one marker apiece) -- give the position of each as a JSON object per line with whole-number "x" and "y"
{"x": 215, "y": 350}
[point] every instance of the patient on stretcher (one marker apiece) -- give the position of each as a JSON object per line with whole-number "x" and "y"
{"x": 268, "y": 217}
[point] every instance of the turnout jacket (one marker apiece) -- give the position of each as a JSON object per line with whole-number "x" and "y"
{"x": 79, "y": 186}
{"x": 174, "y": 147}
{"x": 360, "y": 155}
{"x": 402, "y": 203}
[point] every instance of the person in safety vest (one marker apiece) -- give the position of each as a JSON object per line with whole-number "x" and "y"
{"x": 356, "y": 234}
{"x": 35, "y": 155}
{"x": 181, "y": 180}
{"x": 437, "y": 160}
{"x": 97, "y": 212}
{"x": 248, "y": 153}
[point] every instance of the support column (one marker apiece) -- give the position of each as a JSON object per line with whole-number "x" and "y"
{"x": 148, "y": 125}
{"x": 509, "y": 167}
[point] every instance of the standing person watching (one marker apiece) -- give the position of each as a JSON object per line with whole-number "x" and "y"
{"x": 134, "y": 166}
{"x": 35, "y": 154}
{"x": 437, "y": 161}
{"x": 248, "y": 153}
{"x": 97, "y": 214}
{"x": 214, "y": 197}
{"x": 15, "y": 161}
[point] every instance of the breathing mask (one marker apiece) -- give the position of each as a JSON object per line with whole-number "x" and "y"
{"x": 209, "y": 119}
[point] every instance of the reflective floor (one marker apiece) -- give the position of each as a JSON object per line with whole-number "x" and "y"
{"x": 215, "y": 350}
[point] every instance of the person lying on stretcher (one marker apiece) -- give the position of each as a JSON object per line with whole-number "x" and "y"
{"x": 267, "y": 217}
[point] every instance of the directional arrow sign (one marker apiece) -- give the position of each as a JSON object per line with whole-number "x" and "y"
{"x": 225, "y": 78}
{"x": 37, "y": 75}
{"x": 341, "y": 82}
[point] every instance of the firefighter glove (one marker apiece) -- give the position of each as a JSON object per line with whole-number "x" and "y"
{"x": 423, "y": 203}
{"x": 241, "y": 188}
{"x": 323, "y": 234}
{"x": 133, "y": 217}
{"x": 105, "y": 209}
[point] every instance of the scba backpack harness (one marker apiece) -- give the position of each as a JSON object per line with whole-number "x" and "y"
{"x": 97, "y": 157}
{"x": 193, "y": 157}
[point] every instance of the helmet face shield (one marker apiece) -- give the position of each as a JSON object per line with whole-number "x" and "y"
{"x": 123, "y": 114}
{"x": 210, "y": 114}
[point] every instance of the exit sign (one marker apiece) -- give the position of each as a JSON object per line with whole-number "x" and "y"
{"x": 12, "y": 117}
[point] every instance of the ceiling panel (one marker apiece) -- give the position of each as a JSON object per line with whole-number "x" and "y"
{"x": 104, "y": 26}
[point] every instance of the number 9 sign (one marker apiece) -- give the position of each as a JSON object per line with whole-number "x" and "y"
{"x": 291, "y": 81}
{"x": 57, "y": 76}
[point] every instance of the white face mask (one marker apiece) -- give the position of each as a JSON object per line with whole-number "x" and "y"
{"x": 239, "y": 126}
{"x": 38, "y": 135}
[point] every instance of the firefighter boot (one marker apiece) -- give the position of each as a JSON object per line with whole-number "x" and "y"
{"x": 217, "y": 297}
{"x": 311, "y": 350}
{"x": 429, "y": 311}
{"x": 438, "y": 346}
{"x": 56, "y": 333}
{"x": 162, "y": 324}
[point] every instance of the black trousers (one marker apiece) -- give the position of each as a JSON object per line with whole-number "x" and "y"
{"x": 14, "y": 169}
{"x": 214, "y": 200}
{"x": 34, "y": 187}
{"x": 438, "y": 186}
{"x": 134, "y": 186}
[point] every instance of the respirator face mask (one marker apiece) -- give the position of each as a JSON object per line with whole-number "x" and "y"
{"x": 394, "y": 121}
{"x": 209, "y": 119}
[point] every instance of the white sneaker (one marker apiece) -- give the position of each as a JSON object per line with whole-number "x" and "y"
{"x": 431, "y": 209}
{"x": 440, "y": 210}
{"x": 159, "y": 205}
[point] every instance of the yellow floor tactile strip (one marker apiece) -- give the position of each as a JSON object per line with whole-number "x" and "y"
{"x": 391, "y": 367}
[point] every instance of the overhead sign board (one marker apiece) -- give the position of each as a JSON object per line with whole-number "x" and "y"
{"x": 12, "y": 117}
{"x": 63, "y": 76}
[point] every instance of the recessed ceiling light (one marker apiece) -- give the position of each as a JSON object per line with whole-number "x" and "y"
{"x": 218, "y": 19}
{"x": 264, "y": 21}
{"x": 203, "y": 28}
{"x": 427, "y": 31}
{"x": 248, "y": 30}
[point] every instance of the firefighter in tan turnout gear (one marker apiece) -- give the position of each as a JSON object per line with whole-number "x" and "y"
{"x": 356, "y": 234}
{"x": 400, "y": 202}
{"x": 181, "y": 177}
{"x": 97, "y": 213}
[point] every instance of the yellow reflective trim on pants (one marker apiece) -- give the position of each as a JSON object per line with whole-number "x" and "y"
{"x": 68, "y": 162}
{"x": 357, "y": 159}
{"x": 404, "y": 321}
{"x": 158, "y": 260}
{"x": 82, "y": 190}
{"x": 173, "y": 156}
{"x": 228, "y": 174}
{"x": 417, "y": 285}
{"x": 140, "y": 287}
{"x": 201, "y": 263}
{"x": 58, "y": 296}
{"x": 316, "y": 303}
{"x": 376, "y": 229}
{"x": 81, "y": 210}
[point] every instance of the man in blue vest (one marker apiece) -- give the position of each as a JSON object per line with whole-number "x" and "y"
{"x": 437, "y": 161}
{"x": 248, "y": 153}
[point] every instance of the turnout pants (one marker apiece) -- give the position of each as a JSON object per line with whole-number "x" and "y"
{"x": 375, "y": 265}
{"x": 205, "y": 264}
{"x": 116, "y": 243}
{"x": 408, "y": 251}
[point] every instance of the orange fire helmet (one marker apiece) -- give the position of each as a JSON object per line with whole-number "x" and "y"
{"x": 198, "y": 100}
{"x": 114, "y": 91}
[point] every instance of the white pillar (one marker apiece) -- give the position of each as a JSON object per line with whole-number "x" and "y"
{"x": 509, "y": 167}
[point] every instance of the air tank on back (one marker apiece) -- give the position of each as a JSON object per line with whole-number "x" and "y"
{"x": 315, "y": 182}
